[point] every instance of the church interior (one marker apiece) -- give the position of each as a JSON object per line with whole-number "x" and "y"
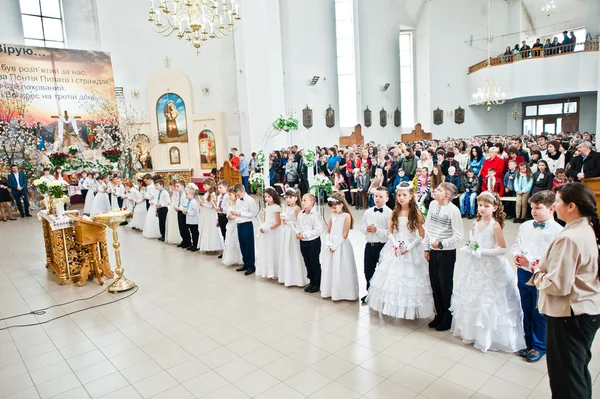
{"x": 154, "y": 148}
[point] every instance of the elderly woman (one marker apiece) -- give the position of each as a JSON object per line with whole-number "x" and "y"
{"x": 569, "y": 292}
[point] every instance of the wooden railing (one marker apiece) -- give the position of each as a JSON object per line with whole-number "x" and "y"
{"x": 535, "y": 54}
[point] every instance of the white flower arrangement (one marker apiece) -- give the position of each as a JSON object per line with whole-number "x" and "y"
{"x": 309, "y": 157}
{"x": 256, "y": 178}
{"x": 261, "y": 159}
{"x": 322, "y": 183}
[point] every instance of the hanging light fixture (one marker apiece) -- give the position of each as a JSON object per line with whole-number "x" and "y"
{"x": 194, "y": 21}
{"x": 549, "y": 8}
{"x": 489, "y": 94}
{"x": 516, "y": 114}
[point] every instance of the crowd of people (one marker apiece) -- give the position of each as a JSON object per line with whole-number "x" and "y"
{"x": 537, "y": 49}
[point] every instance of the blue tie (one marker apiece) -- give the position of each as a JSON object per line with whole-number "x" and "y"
{"x": 539, "y": 224}
{"x": 188, "y": 205}
{"x": 158, "y": 199}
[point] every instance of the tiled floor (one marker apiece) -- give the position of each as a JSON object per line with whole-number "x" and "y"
{"x": 197, "y": 329}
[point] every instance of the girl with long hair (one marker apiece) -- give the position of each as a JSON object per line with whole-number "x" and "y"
{"x": 437, "y": 177}
{"x": 523, "y": 185}
{"x": 211, "y": 239}
{"x": 291, "y": 271}
{"x": 543, "y": 179}
{"x": 339, "y": 277}
{"x": 476, "y": 159}
{"x": 400, "y": 286}
{"x": 569, "y": 292}
{"x": 268, "y": 246}
{"x": 139, "y": 211}
{"x": 486, "y": 306}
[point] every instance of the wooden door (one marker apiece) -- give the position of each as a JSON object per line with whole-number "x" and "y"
{"x": 570, "y": 124}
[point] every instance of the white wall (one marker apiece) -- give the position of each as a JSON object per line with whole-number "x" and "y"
{"x": 309, "y": 49}
{"x": 81, "y": 24}
{"x": 588, "y": 113}
{"x": 11, "y": 27}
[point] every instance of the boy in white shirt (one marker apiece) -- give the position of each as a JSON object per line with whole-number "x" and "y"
{"x": 246, "y": 211}
{"x": 310, "y": 226}
{"x": 374, "y": 226}
{"x": 162, "y": 206}
{"x": 192, "y": 218}
{"x": 533, "y": 240}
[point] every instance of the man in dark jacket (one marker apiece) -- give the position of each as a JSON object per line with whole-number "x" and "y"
{"x": 448, "y": 162}
{"x": 537, "y": 45}
{"x": 525, "y": 49}
{"x": 586, "y": 165}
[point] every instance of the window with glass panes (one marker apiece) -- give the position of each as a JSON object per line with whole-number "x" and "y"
{"x": 551, "y": 116}
{"x": 42, "y": 23}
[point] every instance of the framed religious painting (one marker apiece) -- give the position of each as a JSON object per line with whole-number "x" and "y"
{"x": 142, "y": 160}
{"x": 383, "y": 117}
{"x": 329, "y": 117}
{"x": 174, "y": 156}
{"x": 397, "y": 118}
{"x": 208, "y": 149}
{"x": 171, "y": 119}
{"x": 307, "y": 117}
{"x": 459, "y": 115}
{"x": 368, "y": 117}
{"x": 438, "y": 116}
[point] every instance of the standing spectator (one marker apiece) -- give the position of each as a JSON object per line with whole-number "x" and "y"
{"x": 523, "y": 185}
{"x": 507, "y": 56}
{"x": 292, "y": 175}
{"x": 410, "y": 163}
{"x": 509, "y": 187}
{"x": 494, "y": 161}
{"x": 524, "y": 50}
{"x": 235, "y": 160}
{"x": 573, "y": 40}
{"x": 537, "y": 45}
{"x": 542, "y": 179}
{"x": 564, "y": 147}
{"x": 333, "y": 160}
{"x": 243, "y": 167}
{"x": 276, "y": 166}
{"x": 585, "y": 165}
{"x": 555, "y": 159}
{"x": 448, "y": 162}
{"x": 18, "y": 185}
{"x": 5, "y": 200}
{"x": 569, "y": 292}
{"x": 555, "y": 45}
{"x": 476, "y": 160}
{"x": 425, "y": 161}
{"x": 547, "y": 48}
{"x": 253, "y": 163}
{"x": 513, "y": 155}
{"x": 518, "y": 143}
{"x": 566, "y": 43}
{"x": 536, "y": 156}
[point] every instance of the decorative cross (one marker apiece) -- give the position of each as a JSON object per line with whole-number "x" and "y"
{"x": 66, "y": 116}
{"x": 167, "y": 61}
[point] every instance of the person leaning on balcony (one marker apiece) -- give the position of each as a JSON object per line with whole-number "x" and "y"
{"x": 573, "y": 40}
{"x": 507, "y": 56}
{"x": 555, "y": 44}
{"x": 566, "y": 41}
{"x": 537, "y": 44}
{"x": 516, "y": 52}
{"x": 547, "y": 48}
{"x": 525, "y": 49}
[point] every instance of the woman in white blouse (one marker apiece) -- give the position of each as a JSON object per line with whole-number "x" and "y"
{"x": 555, "y": 159}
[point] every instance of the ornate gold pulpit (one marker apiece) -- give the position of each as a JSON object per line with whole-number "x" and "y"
{"x": 75, "y": 248}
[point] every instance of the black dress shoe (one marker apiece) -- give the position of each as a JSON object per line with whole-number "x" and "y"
{"x": 195, "y": 249}
{"x": 28, "y": 215}
{"x": 22, "y": 216}
{"x": 363, "y": 299}
{"x": 161, "y": 239}
{"x": 445, "y": 324}
{"x": 313, "y": 289}
{"x": 220, "y": 256}
{"x": 435, "y": 322}
{"x": 249, "y": 272}
{"x": 180, "y": 245}
{"x": 307, "y": 288}
{"x": 517, "y": 220}
{"x": 241, "y": 269}
{"x": 189, "y": 248}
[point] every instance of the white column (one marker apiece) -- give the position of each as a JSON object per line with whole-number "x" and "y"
{"x": 259, "y": 67}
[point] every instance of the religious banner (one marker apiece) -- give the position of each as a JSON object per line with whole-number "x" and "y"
{"x": 55, "y": 89}
{"x": 171, "y": 119}
{"x": 383, "y": 117}
{"x": 459, "y": 115}
{"x": 438, "y": 116}
{"x": 368, "y": 117}
{"x": 307, "y": 117}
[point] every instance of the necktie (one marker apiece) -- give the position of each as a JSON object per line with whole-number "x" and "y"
{"x": 541, "y": 225}
{"x": 188, "y": 205}
{"x": 221, "y": 203}
{"x": 378, "y": 210}
{"x": 179, "y": 202}
{"x": 158, "y": 199}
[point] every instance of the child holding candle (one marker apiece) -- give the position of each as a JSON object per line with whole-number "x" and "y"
{"x": 232, "y": 254}
{"x": 192, "y": 218}
{"x": 268, "y": 242}
{"x": 309, "y": 229}
{"x": 485, "y": 303}
{"x": 210, "y": 234}
{"x": 400, "y": 286}
{"x": 533, "y": 239}
{"x": 172, "y": 235}
{"x": 291, "y": 268}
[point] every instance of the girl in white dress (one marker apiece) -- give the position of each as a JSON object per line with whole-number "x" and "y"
{"x": 232, "y": 254}
{"x": 101, "y": 203}
{"x": 172, "y": 235}
{"x": 151, "y": 226}
{"x": 268, "y": 246}
{"x": 291, "y": 264}
{"x": 486, "y": 306}
{"x": 139, "y": 211}
{"x": 339, "y": 278}
{"x": 128, "y": 202}
{"x": 89, "y": 198}
{"x": 400, "y": 286}
{"x": 211, "y": 239}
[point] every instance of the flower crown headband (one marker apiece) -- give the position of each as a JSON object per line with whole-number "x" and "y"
{"x": 490, "y": 196}
{"x": 333, "y": 200}
{"x": 291, "y": 191}
{"x": 407, "y": 186}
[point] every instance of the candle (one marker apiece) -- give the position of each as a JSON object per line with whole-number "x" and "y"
{"x": 470, "y": 235}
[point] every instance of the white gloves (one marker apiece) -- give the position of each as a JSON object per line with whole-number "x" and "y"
{"x": 489, "y": 252}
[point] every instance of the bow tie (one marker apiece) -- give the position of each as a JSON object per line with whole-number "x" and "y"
{"x": 241, "y": 199}
{"x": 540, "y": 225}
{"x": 378, "y": 210}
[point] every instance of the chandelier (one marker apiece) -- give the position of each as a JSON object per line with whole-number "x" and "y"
{"x": 194, "y": 21}
{"x": 549, "y": 7}
{"x": 489, "y": 94}
{"x": 516, "y": 114}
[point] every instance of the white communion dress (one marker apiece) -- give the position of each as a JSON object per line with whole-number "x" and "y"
{"x": 232, "y": 254}
{"x": 211, "y": 238}
{"x": 101, "y": 202}
{"x": 151, "y": 225}
{"x": 89, "y": 198}
{"x": 140, "y": 211}
{"x": 267, "y": 254}
{"x": 172, "y": 235}
{"x": 400, "y": 286}
{"x": 291, "y": 264}
{"x": 339, "y": 278}
{"x": 486, "y": 306}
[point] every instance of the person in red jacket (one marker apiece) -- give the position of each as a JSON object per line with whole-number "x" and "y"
{"x": 494, "y": 161}
{"x": 513, "y": 154}
{"x": 493, "y": 182}
{"x": 235, "y": 161}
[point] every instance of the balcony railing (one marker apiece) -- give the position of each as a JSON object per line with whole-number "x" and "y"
{"x": 539, "y": 52}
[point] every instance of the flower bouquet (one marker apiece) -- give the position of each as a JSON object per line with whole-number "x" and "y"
{"x": 286, "y": 124}
{"x": 58, "y": 159}
{"x": 42, "y": 185}
{"x": 113, "y": 155}
{"x": 73, "y": 150}
{"x": 261, "y": 159}
{"x": 257, "y": 182}
{"x": 322, "y": 185}
{"x": 309, "y": 157}
{"x": 422, "y": 208}
{"x": 56, "y": 190}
